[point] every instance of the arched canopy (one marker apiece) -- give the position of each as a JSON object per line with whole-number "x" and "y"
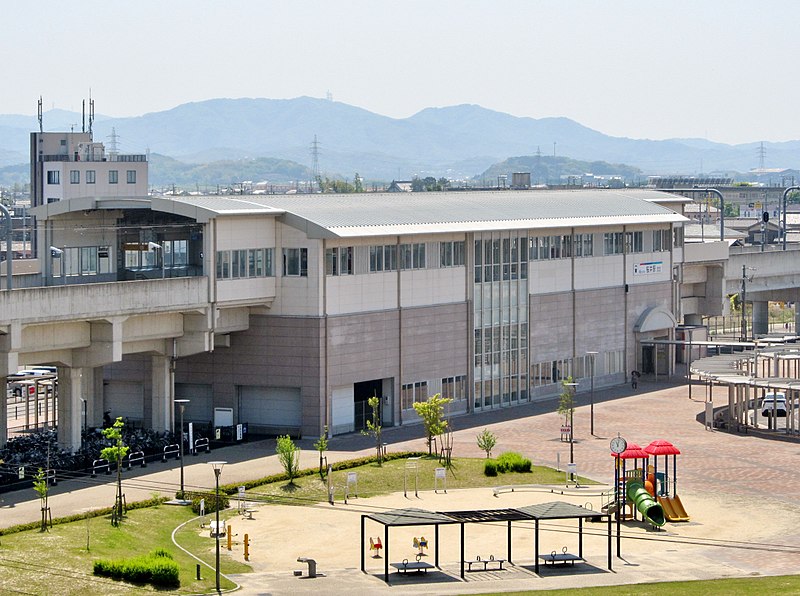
{"x": 655, "y": 318}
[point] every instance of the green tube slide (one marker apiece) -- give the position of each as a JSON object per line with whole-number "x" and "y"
{"x": 645, "y": 504}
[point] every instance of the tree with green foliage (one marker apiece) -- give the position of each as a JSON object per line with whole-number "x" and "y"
{"x": 374, "y": 426}
{"x": 566, "y": 401}
{"x": 288, "y": 456}
{"x": 432, "y": 414}
{"x": 42, "y": 488}
{"x": 116, "y": 452}
{"x": 321, "y": 445}
{"x": 358, "y": 183}
{"x": 486, "y": 442}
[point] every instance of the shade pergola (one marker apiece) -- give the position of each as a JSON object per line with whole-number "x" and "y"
{"x": 420, "y": 517}
{"x": 560, "y": 510}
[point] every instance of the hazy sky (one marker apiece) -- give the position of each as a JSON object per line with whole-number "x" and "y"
{"x": 720, "y": 69}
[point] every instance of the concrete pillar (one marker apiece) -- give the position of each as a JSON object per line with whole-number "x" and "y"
{"x": 162, "y": 393}
{"x": 70, "y": 396}
{"x": 760, "y": 317}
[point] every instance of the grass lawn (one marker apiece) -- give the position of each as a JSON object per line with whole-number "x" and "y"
{"x": 57, "y": 562}
{"x": 783, "y": 584}
{"x": 388, "y": 478}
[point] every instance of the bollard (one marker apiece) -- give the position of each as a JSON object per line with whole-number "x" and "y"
{"x": 246, "y": 547}
{"x": 198, "y": 572}
{"x": 230, "y": 537}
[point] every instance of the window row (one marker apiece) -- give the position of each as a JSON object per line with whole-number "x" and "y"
{"x": 245, "y": 262}
{"x": 339, "y": 261}
{"x": 54, "y": 176}
{"x": 454, "y": 388}
{"x": 580, "y": 367}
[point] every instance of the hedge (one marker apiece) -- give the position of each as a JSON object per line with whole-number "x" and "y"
{"x": 507, "y": 462}
{"x": 156, "y": 568}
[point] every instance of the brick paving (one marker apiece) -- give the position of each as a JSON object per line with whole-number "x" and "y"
{"x": 728, "y": 478}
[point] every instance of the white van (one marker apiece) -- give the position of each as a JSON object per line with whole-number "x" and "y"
{"x": 774, "y": 404}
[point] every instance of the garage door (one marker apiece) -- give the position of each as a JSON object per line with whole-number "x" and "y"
{"x": 201, "y": 402}
{"x": 124, "y": 398}
{"x": 270, "y": 410}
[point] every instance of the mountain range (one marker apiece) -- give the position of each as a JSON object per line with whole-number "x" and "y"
{"x": 457, "y": 142}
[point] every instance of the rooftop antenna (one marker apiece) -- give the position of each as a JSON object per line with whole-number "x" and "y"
{"x": 39, "y": 113}
{"x": 83, "y": 115}
{"x": 91, "y": 111}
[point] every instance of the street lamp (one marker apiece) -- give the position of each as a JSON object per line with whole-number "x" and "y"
{"x": 217, "y": 466}
{"x": 182, "y": 403}
{"x": 573, "y": 387}
{"x": 591, "y": 394}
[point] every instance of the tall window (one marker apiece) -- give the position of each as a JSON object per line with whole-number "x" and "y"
{"x": 612, "y": 243}
{"x": 677, "y": 236}
{"x": 91, "y": 176}
{"x": 131, "y": 175}
{"x": 661, "y": 240}
{"x": 451, "y": 254}
{"x": 455, "y": 388}
{"x": 339, "y": 261}
{"x": 584, "y": 245}
{"x": 295, "y": 262}
{"x": 412, "y": 256}
{"x": 412, "y": 393}
{"x": 383, "y": 258}
{"x": 633, "y": 242}
{"x": 74, "y": 176}
{"x": 113, "y": 176}
{"x": 53, "y": 177}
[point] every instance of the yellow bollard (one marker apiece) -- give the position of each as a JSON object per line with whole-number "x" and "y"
{"x": 246, "y": 547}
{"x": 230, "y": 537}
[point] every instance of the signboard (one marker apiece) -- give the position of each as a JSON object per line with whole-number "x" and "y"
{"x": 238, "y": 432}
{"x": 572, "y": 469}
{"x": 650, "y": 268}
{"x": 441, "y": 473}
{"x": 191, "y": 437}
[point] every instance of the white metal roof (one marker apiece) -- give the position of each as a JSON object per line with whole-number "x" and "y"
{"x": 379, "y": 214}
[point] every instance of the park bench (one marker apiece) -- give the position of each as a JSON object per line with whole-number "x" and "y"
{"x": 478, "y": 562}
{"x": 248, "y": 513}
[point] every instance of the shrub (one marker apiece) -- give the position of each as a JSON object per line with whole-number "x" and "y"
{"x": 511, "y": 462}
{"x": 211, "y": 501}
{"x": 156, "y": 568}
{"x": 288, "y": 456}
{"x": 486, "y": 441}
{"x": 490, "y": 467}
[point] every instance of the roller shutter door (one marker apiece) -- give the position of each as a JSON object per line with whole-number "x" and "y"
{"x": 124, "y": 398}
{"x": 270, "y": 410}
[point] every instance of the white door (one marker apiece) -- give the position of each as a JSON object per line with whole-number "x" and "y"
{"x": 270, "y": 409}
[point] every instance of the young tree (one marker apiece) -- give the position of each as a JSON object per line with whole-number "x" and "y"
{"x": 116, "y": 452}
{"x": 321, "y": 445}
{"x": 486, "y": 442}
{"x": 566, "y": 401}
{"x": 432, "y": 414}
{"x": 289, "y": 456}
{"x": 41, "y": 487}
{"x": 374, "y": 425}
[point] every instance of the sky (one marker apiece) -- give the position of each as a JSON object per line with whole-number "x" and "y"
{"x": 723, "y": 70}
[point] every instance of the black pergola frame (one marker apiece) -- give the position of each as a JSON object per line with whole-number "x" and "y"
{"x": 420, "y": 517}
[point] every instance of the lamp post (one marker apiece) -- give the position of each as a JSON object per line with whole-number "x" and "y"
{"x": 217, "y": 466}
{"x": 591, "y": 394}
{"x": 572, "y": 389}
{"x": 182, "y": 403}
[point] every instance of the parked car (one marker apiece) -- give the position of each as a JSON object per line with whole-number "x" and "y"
{"x": 774, "y": 404}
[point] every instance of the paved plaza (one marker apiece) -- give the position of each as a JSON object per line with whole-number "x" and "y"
{"x": 740, "y": 490}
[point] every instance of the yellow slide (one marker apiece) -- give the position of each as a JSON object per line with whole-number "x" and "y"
{"x": 673, "y": 508}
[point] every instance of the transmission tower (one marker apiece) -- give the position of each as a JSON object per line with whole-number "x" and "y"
{"x": 762, "y": 153}
{"x": 314, "y": 162}
{"x": 113, "y": 145}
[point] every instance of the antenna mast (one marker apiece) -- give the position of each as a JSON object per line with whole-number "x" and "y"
{"x": 315, "y": 161}
{"x": 762, "y": 153}
{"x": 39, "y": 114}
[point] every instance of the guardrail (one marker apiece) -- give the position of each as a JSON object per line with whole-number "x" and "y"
{"x": 135, "y": 458}
{"x": 202, "y": 443}
{"x": 171, "y": 451}
{"x": 100, "y": 465}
